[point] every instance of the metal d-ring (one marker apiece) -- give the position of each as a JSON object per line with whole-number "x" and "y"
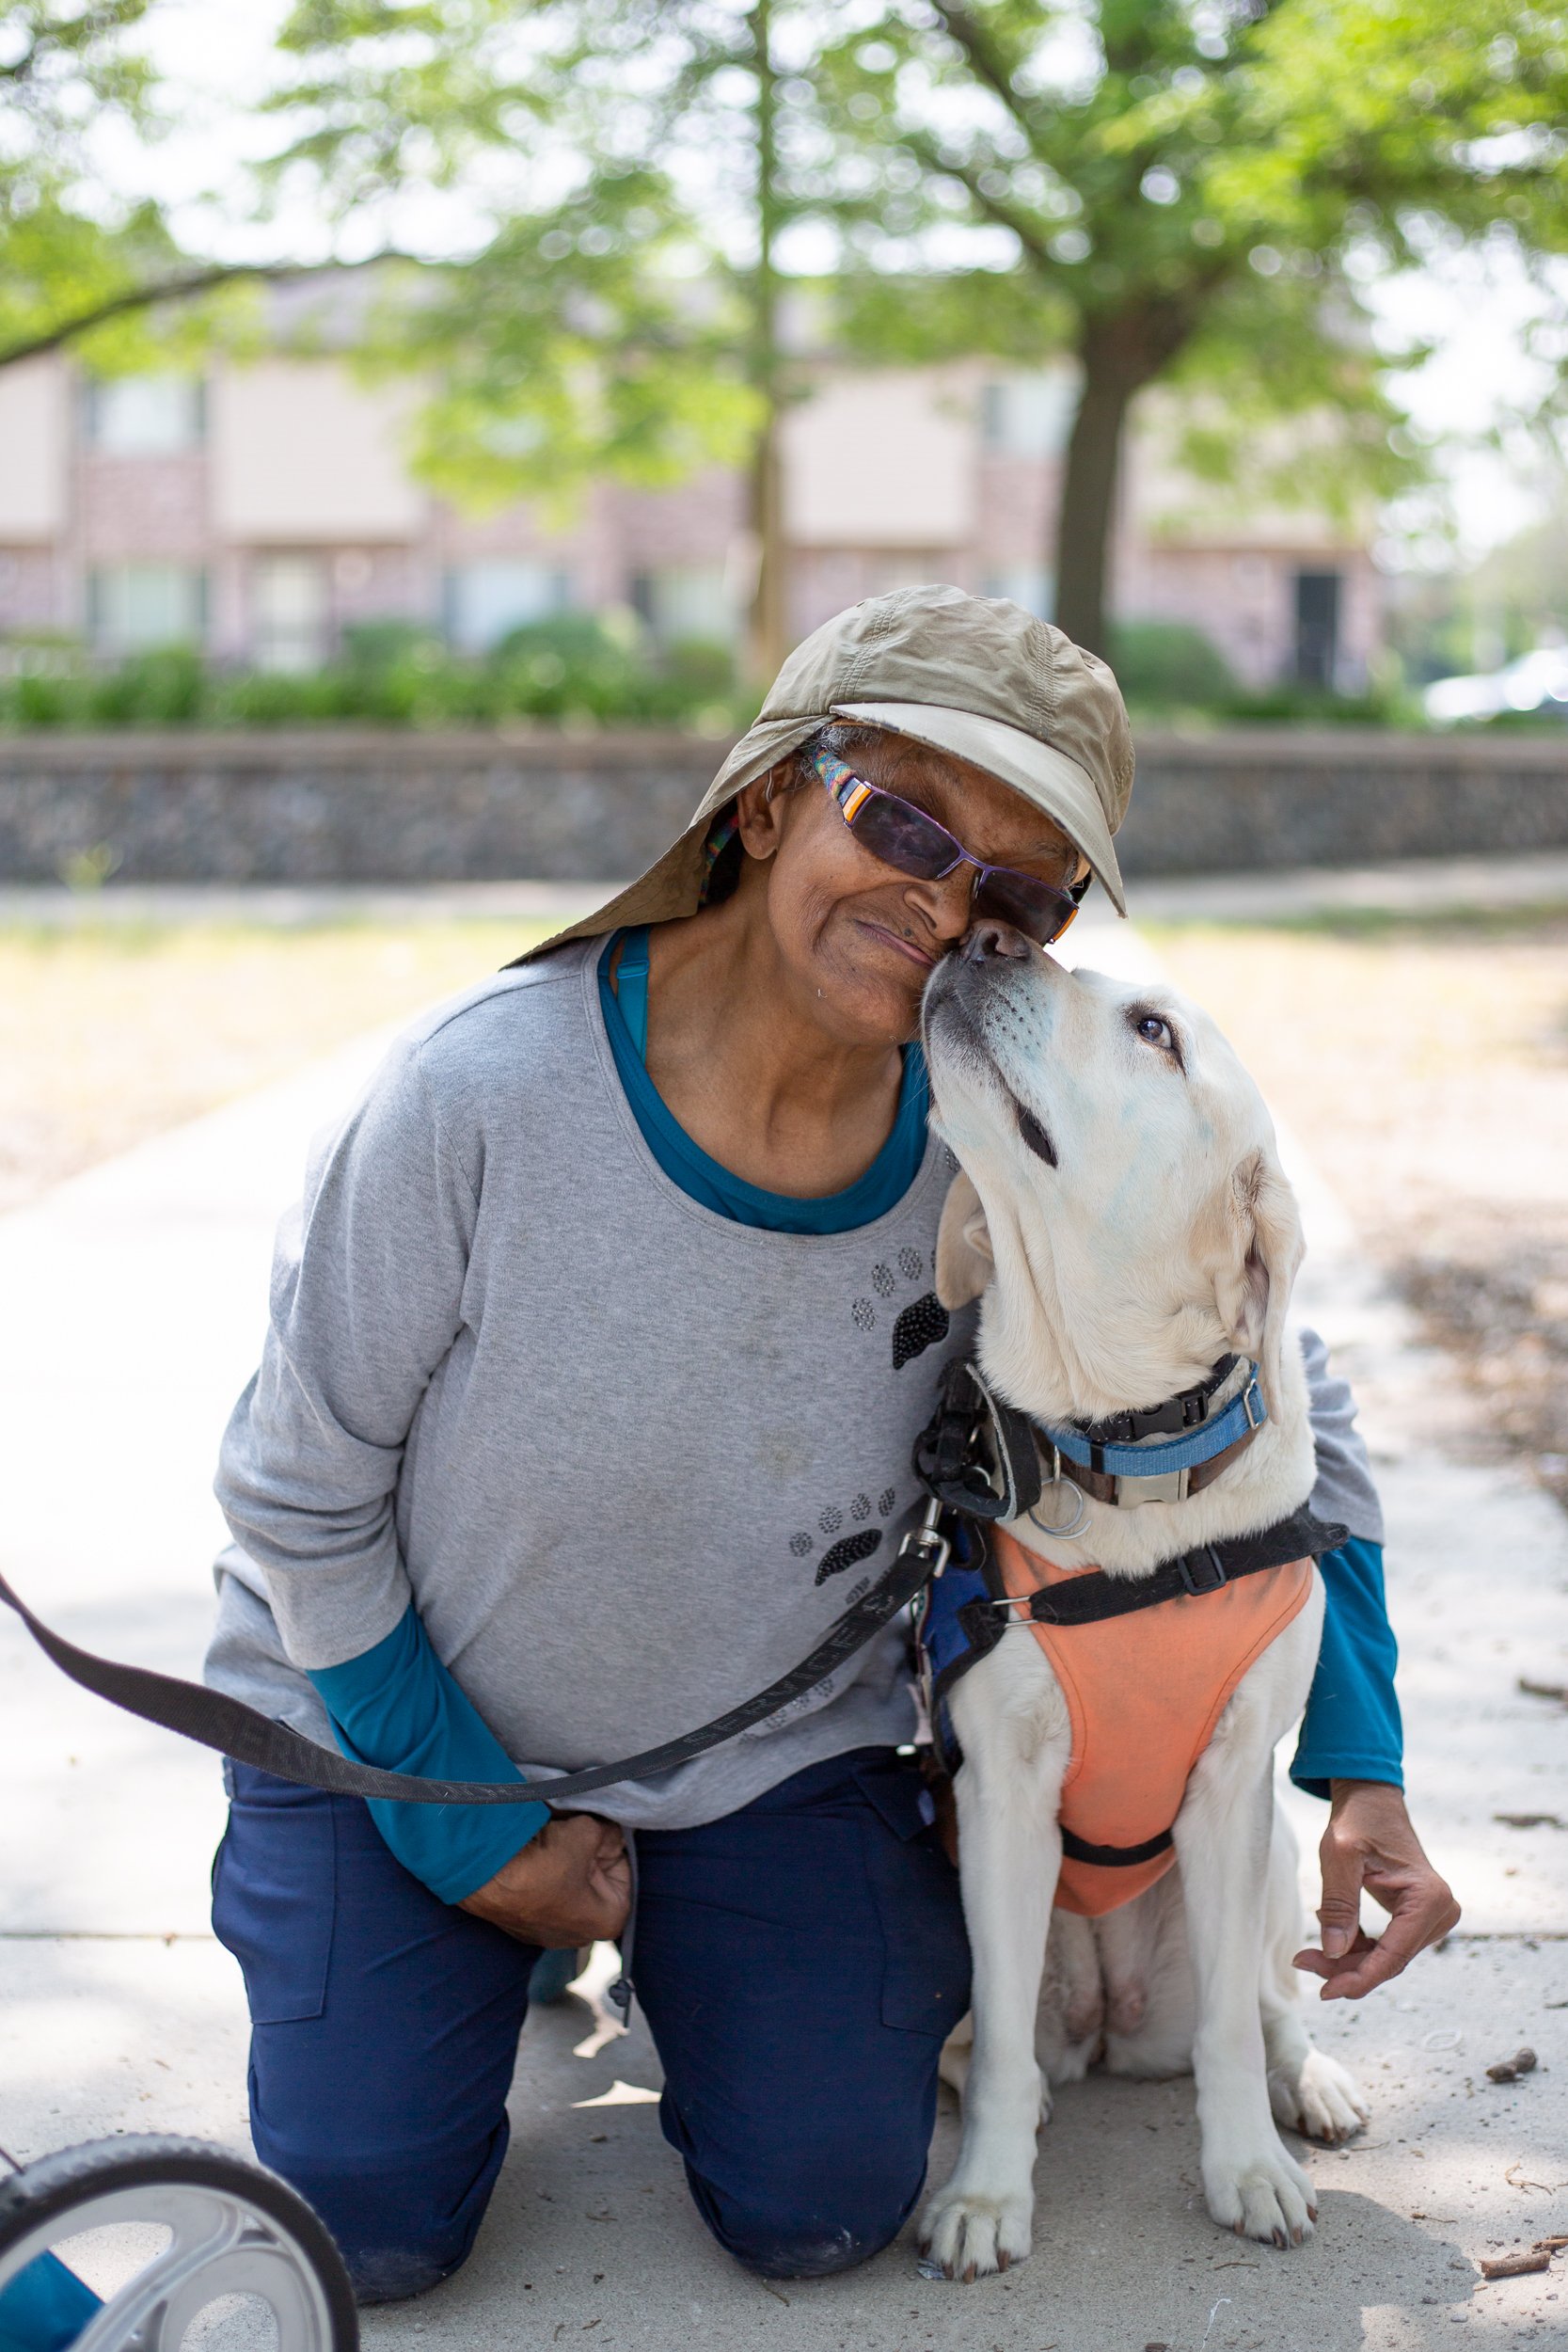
{"x": 1081, "y": 1518}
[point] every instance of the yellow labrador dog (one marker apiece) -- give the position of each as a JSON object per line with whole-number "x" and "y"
{"x": 1122, "y": 1216}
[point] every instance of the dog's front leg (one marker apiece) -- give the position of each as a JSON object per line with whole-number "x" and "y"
{"x": 1012, "y": 1725}
{"x": 1252, "y": 2185}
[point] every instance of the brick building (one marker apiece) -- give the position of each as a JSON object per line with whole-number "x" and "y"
{"x": 262, "y": 510}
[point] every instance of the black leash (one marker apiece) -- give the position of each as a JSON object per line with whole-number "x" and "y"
{"x": 215, "y": 1719}
{"x": 947, "y": 1458}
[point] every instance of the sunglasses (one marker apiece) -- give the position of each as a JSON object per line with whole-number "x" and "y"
{"x": 904, "y": 837}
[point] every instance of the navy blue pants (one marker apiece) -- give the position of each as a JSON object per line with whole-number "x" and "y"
{"x": 800, "y": 1965}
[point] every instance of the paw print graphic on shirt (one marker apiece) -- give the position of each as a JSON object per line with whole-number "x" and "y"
{"x": 844, "y": 1552}
{"x": 917, "y": 1325}
{"x": 920, "y": 1327}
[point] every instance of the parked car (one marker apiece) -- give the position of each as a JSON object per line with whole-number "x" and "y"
{"x": 1537, "y": 681}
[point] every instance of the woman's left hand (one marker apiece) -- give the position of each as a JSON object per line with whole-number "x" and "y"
{"x": 1370, "y": 1843}
{"x": 569, "y": 1885}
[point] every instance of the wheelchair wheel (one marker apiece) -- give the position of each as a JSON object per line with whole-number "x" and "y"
{"x": 235, "y": 2230}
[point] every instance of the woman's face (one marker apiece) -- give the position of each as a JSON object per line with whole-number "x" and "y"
{"x": 861, "y": 938}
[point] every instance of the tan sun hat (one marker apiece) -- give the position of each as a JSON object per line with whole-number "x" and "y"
{"x": 973, "y": 676}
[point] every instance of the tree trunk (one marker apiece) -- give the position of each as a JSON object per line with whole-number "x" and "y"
{"x": 1086, "y": 517}
{"x": 769, "y": 635}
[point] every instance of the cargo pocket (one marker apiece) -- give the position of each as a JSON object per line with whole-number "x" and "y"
{"x": 274, "y": 1897}
{"x": 915, "y": 1889}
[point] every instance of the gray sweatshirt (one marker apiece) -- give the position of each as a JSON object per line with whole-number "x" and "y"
{"x": 628, "y": 1459}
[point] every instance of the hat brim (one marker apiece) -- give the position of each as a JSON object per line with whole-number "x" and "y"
{"x": 673, "y": 885}
{"x": 1057, "y": 786}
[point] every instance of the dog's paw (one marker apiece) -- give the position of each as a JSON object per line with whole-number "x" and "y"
{"x": 970, "y": 2234}
{"x": 1263, "y": 2194}
{"x": 1321, "y": 2099}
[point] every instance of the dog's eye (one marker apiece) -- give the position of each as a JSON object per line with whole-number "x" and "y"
{"x": 1035, "y": 1136}
{"x": 1149, "y": 1026}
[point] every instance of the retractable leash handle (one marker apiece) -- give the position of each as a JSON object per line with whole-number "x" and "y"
{"x": 213, "y": 1720}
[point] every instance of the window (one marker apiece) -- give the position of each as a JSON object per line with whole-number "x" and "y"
{"x": 1317, "y": 628}
{"x": 687, "y": 601}
{"x": 288, "y": 612}
{"x": 1028, "y": 584}
{"x": 1028, "y": 416}
{"x": 144, "y": 416}
{"x": 133, "y": 606}
{"x": 485, "y": 602}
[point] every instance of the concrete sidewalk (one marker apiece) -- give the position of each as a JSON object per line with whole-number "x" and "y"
{"x": 135, "y": 1302}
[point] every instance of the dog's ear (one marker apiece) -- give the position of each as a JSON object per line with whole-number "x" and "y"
{"x": 964, "y": 1260}
{"x": 1254, "y": 1288}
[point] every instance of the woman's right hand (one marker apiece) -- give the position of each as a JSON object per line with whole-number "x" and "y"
{"x": 569, "y": 1885}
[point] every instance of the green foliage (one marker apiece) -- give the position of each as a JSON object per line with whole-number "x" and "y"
{"x": 1307, "y": 706}
{"x": 1199, "y": 195}
{"x": 1168, "y": 665}
{"x": 1186, "y": 196}
{"x": 1151, "y": 153}
{"x": 575, "y": 671}
{"x": 1171, "y": 670}
{"x": 914, "y": 317}
{"x": 571, "y": 347}
{"x": 596, "y": 328}
{"x": 66, "y": 247}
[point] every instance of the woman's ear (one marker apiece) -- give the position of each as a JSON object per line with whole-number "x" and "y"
{"x": 1254, "y": 1290}
{"x": 759, "y": 810}
{"x": 964, "y": 1260}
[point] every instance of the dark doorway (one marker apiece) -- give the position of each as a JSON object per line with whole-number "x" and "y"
{"x": 1317, "y": 628}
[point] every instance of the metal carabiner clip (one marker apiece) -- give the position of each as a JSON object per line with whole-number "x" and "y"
{"x": 929, "y": 1537}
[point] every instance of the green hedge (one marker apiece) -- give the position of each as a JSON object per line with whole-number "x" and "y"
{"x": 1169, "y": 669}
{"x": 577, "y": 669}
{"x": 581, "y": 670}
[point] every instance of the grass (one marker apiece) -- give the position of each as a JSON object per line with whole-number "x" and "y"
{"x": 1373, "y": 923}
{"x": 110, "y": 1034}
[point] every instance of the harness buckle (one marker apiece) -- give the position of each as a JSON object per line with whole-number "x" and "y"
{"x": 1209, "y": 1578}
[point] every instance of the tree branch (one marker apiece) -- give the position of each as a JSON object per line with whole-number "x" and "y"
{"x": 994, "y": 208}
{"x": 988, "y": 66}
{"x": 179, "y": 290}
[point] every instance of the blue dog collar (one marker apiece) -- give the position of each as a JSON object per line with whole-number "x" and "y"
{"x": 1133, "y": 1464}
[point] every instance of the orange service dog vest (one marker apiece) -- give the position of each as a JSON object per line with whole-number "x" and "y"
{"x": 1144, "y": 1693}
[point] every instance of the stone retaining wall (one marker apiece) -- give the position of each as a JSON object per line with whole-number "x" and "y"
{"x": 372, "y": 806}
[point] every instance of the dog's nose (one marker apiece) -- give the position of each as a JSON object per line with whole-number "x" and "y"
{"x": 987, "y": 940}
